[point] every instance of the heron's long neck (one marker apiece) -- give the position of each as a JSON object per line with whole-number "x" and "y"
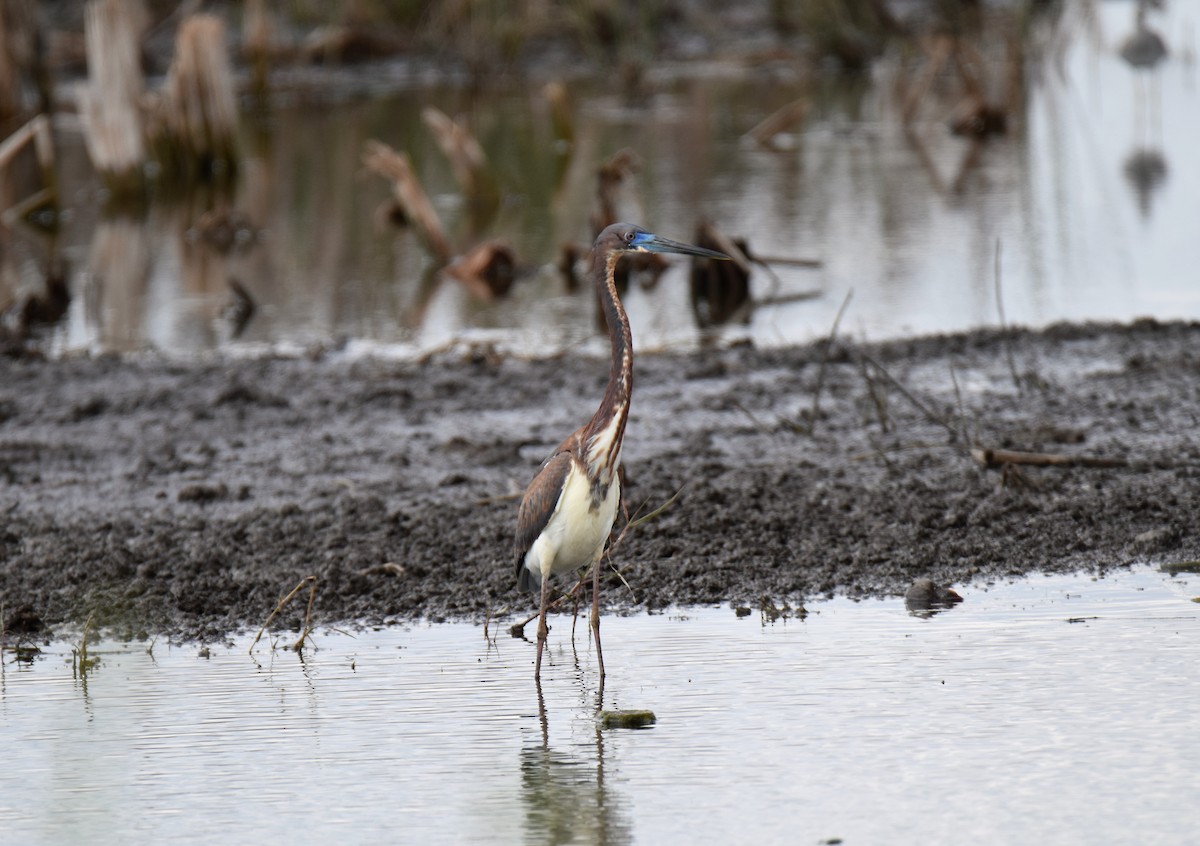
{"x": 602, "y": 437}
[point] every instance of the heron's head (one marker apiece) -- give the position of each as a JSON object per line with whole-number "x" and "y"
{"x": 628, "y": 238}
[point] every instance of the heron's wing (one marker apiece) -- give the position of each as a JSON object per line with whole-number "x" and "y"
{"x": 539, "y": 502}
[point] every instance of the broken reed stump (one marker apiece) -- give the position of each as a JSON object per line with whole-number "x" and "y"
{"x": 11, "y": 39}
{"x": 562, "y": 122}
{"x": 720, "y": 290}
{"x": 410, "y": 196}
{"x": 609, "y": 178}
{"x": 468, "y": 161}
{"x": 257, "y": 38}
{"x": 487, "y": 270}
{"x": 195, "y": 122}
{"x": 109, "y": 102}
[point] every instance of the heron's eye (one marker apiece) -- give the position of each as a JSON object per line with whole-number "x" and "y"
{"x": 630, "y": 235}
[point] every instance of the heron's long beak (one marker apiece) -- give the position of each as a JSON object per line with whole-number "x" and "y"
{"x": 655, "y": 244}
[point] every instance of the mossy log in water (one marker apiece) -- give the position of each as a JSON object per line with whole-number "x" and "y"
{"x": 627, "y": 719}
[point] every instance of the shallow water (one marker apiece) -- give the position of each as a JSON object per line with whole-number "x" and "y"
{"x": 1051, "y": 709}
{"x": 1093, "y": 198}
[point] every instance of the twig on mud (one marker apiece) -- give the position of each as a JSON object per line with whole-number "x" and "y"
{"x": 878, "y": 397}
{"x": 1000, "y": 458}
{"x": 621, "y": 576}
{"x": 762, "y": 427}
{"x": 1008, "y": 351}
{"x": 916, "y": 403}
{"x": 958, "y": 401}
{"x": 518, "y": 629}
{"x": 877, "y": 450}
{"x": 279, "y": 606}
{"x": 646, "y": 518}
{"x": 491, "y": 500}
{"x": 826, "y": 348}
{"x": 635, "y": 521}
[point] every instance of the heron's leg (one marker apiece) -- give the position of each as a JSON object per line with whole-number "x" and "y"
{"x": 596, "y": 613}
{"x": 575, "y": 608}
{"x": 542, "y": 630}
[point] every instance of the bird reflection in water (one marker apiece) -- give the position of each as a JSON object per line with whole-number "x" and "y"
{"x": 1145, "y": 167}
{"x": 567, "y": 799}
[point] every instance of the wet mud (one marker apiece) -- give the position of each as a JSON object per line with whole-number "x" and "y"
{"x": 185, "y": 498}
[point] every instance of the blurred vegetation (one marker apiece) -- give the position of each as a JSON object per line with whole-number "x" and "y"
{"x": 490, "y": 36}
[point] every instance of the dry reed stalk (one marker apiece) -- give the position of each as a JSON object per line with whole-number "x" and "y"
{"x": 109, "y": 101}
{"x": 467, "y": 160}
{"x": 37, "y": 131}
{"x": 562, "y": 121}
{"x": 197, "y": 117}
{"x": 10, "y": 80}
{"x": 257, "y": 38}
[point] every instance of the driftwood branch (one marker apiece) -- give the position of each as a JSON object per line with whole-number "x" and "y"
{"x": 410, "y": 196}
{"x": 996, "y": 458}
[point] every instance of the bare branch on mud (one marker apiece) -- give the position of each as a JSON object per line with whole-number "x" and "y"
{"x": 916, "y": 403}
{"x": 998, "y": 458}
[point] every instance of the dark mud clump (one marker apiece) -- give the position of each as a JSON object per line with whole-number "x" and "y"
{"x": 185, "y": 499}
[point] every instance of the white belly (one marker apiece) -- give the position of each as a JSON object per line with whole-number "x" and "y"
{"x": 577, "y": 532}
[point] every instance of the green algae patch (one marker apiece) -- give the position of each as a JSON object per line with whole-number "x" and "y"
{"x": 627, "y": 719}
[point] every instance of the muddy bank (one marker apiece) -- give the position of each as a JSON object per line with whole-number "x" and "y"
{"x": 185, "y": 498}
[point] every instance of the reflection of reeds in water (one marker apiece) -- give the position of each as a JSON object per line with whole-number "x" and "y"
{"x": 118, "y": 271}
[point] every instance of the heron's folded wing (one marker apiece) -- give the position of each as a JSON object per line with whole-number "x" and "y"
{"x": 541, "y": 498}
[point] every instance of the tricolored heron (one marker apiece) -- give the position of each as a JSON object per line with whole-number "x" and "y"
{"x": 568, "y": 510}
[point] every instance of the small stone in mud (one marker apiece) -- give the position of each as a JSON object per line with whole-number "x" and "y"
{"x": 203, "y": 493}
{"x": 631, "y": 719}
{"x": 24, "y": 621}
{"x": 1155, "y": 540}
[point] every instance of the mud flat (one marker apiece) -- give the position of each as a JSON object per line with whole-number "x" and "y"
{"x": 184, "y": 498}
